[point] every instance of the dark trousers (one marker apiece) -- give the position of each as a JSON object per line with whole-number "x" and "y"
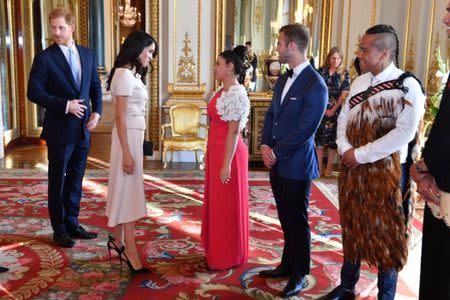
{"x": 405, "y": 186}
{"x": 292, "y": 198}
{"x": 387, "y": 280}
{"x": 435, "y": 264}
{"x": 66, "y": 166}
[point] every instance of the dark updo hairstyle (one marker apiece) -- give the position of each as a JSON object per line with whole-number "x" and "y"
{"x": 238, "y": 58}
{"x": 129, "y": 53}
{"x": 388, "y": 40}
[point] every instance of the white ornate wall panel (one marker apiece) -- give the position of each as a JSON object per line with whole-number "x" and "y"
{"x": 187, "y": 39}
{"x": 185, "y": 23}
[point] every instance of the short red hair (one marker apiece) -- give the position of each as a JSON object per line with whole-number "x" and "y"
{"x": 62, "y": 12}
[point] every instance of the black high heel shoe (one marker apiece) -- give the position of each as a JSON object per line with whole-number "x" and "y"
{"x": 112, "y": 245}
{"x": 130, "y": 266}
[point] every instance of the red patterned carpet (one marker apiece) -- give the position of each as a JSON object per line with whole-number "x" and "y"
{"x": 168, "y": 239}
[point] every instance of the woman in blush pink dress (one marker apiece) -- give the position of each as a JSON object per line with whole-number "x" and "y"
{"x": 125, "y": 202}
{"x": 225, "y": 210}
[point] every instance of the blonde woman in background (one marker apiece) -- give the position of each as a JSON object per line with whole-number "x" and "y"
{"x": 337, "y": 80}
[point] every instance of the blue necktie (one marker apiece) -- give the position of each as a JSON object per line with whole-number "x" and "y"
{"x": 73, "y": 65}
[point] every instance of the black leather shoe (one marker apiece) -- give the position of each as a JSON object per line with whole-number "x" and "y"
{"x": 278, "y": 272}
{"x": 81, "y": 233}
{"x": 339, "y": 293}
{"x": 3, "y": 269}
{"x": 63, "y": 240}
{"x": 295, "y": 285}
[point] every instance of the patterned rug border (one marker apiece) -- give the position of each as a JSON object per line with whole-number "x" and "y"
{"x": 103, "y": 173}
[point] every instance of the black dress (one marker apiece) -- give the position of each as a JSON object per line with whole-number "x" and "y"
{"x": 435, "y": 264}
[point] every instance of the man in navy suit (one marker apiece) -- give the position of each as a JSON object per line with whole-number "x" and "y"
{"x": 63, "y": 79}
{"x": 298, "y": 104}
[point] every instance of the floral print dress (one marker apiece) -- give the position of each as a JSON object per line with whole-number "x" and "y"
{"x": 326, "y": 134}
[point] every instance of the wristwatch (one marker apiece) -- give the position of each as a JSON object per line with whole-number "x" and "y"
{"x": 420, "y": 168}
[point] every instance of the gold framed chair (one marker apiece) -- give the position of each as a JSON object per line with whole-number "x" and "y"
{"x": 185, "y": 125}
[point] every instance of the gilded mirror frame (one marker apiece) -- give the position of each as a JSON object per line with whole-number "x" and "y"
{"x": 325, "y": 32}
{"x": 10, "y": 88}
{"x": 80, "y": 10}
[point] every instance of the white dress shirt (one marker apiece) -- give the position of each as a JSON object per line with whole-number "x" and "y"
{"x": 406, "y": 124}
{"x": 296, "y": 71}
{"x": 65, "y": 50}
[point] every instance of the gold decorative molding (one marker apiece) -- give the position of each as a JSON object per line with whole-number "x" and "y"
{"x": 200, "y": 103}
{"x": 348, "y": 30}
{"x": 82, "y": 30}
{"x": 352, "y": 70}
{"x": 433, "y": 82}
{"x": 406, "y": 43}
{"x": 258, "y": 15}
{"x": 260, "y": 98}
{"x": 188, "y": 90}
{"x": 198, "y": 40}
{"x": 186, "y": 85}
{"x": 186, "y": 63}
{"x": 325, "y": 36}
{"x": 12, "y": 88}
{"x": 28, "y": 39}
{"x": 374, "y": 13}
{"x": 430, "y": 37}
{"x": 175, "y": 77}
{"x": 220, "y": 32}
{"x": 186, "y": 93}
{"x": 154, "y": 115}
{"x": 410, "y": 64}
{"x": 292, "y": 5}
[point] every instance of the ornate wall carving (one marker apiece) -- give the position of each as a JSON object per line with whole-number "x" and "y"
{"x": 186, "y": 63}
{"x": 185, "y": 36}
{"x": 410, "y": 65}
{"x": 154, "y": 78}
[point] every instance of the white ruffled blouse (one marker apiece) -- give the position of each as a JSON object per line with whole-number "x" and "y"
{"x": 234, "y": 105}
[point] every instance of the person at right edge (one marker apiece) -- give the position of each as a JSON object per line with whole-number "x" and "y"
{"x": 432, "y": 175}
{"x": 298, "y": 104}
{"x": 379, "y": 118}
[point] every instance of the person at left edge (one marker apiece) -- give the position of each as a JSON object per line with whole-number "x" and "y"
{"x": 62, "y": 80}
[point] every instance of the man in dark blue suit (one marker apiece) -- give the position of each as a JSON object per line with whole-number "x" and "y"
{"x": 63, "y": 79}
{"x": 298, "y": 104}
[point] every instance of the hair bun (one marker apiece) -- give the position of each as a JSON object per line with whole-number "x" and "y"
{"x": 241, "y": 52}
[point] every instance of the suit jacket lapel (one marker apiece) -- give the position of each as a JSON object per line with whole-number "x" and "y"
{"x": 300, "y": 83}
{"x": 83, "y": 65}
{"x": 63, "y": 64}
{"x": 279, "y": 93}
{"x": 445, "y": 95}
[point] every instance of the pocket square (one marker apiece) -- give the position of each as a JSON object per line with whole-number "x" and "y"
{"x": 293, "y": 99}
